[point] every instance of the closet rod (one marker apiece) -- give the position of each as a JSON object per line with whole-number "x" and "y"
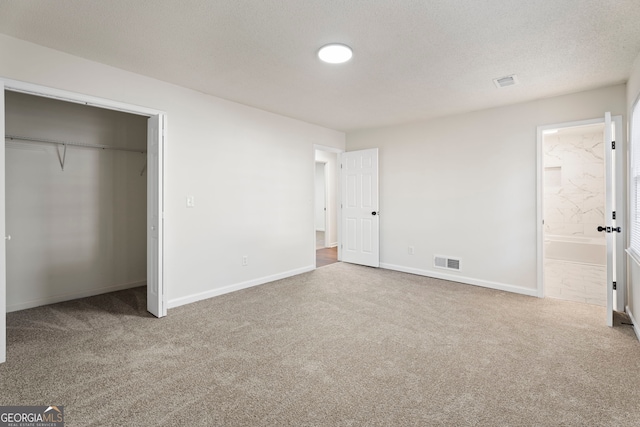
{"x": 76, "y": 144}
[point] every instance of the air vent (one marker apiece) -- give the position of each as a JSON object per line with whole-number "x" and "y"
{"x": 506, "y": 81}
{"x": 446, "y": 262}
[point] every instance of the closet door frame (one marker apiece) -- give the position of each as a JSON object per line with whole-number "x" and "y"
{"x": 47, "y": 92}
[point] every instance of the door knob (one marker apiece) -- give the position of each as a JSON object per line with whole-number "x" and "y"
{"x": 374, "y": 213}
{"x": 610, "y": 229}
{"x": 7, "y": 237}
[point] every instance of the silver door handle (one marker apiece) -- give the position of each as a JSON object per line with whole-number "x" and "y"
{"x": 7, "y": 237}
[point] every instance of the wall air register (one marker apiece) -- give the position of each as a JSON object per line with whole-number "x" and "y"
{"x": 446, "y": 263}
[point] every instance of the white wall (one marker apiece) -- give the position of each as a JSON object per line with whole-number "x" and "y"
{"x": 332, "y": 179}
{"x": 249, "y": 171}
{"x": 320, "y": 197}
{"x": 465, "y": 186}
{"x": 81, "y": 231}
{"x": 633, "y": 284}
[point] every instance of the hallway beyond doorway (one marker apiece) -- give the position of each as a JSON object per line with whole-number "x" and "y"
{"x": 326, "y": 256}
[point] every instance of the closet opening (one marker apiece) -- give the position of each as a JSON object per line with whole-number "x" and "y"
{"x": 76, "y": 200}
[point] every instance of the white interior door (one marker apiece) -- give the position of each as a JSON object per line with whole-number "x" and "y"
{"x": 360, "y": 210}
{"x": 614, "y": 216}
{"x": 156, "y": 299}
{"x": 621, "y": 245}
{"x": 3, "y": 248}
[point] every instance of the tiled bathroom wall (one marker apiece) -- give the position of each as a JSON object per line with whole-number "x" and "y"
{"x": 574, "y": 181}
{"x": 574, "y": 205}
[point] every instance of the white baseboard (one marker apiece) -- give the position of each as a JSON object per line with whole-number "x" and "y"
{"x": 177, "y": 302}
{"x": 636, "y": 327}
{"x": 461, "y": 279}
{"x": 333, "y": 245}
{"x": 74, "y": 295}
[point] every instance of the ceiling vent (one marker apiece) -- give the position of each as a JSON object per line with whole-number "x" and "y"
{"x": 446, "y": 262}
{"x": 506, "y": 81}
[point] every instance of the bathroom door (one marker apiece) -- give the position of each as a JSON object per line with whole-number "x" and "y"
{"x": 614, "y": 215}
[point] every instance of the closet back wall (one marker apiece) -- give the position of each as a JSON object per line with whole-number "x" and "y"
{"x": 81, "y": 231}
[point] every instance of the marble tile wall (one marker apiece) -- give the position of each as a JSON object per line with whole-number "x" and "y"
{"x": 574, "y": 205}
{"x": 574, "y": 194}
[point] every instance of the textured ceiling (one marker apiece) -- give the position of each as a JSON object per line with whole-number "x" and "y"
{"x": 413, "y": 59}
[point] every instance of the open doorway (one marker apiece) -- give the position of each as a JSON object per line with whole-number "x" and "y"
{"x": 575, "y": 252}
{"x": 326, "y": 172}
{"x": 581, "y": 212}
{"x": 75, "y": 198}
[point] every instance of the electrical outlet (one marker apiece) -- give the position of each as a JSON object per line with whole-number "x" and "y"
{"x": 411, "y": 251}
{"x": 245, "y": 260}
{"x": 191, "y": 201}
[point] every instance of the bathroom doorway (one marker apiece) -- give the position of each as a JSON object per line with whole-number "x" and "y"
{"x": 580, "y": 208}
{"x": 575, "y": 253}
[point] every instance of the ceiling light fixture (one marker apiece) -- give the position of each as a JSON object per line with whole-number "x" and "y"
{"x": 335, "y": 53}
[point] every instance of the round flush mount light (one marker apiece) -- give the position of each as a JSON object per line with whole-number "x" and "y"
{"x": 335, "y": 53}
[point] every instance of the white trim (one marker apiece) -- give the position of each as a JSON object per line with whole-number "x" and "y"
{"x": 462, "y": 279}
{"x": 177, "y": 302}
{"x": 632, "y": 254}
{"x": 636, "y": 327}
{"x": 74, "y": 295}
{"x": 327, "y": 148}
{"x": 3, "y": 244}
{"x": 540, "y": 213}
{"x": 77, "y": 98}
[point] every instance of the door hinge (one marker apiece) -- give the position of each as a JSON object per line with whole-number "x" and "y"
{"x": 613, "y": 145}
{"x": 614, "y": 215}
{"x": 340, "y": 165}
{"x": 615, "y": 287}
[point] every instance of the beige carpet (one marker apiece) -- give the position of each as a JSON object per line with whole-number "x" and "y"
{"x": 341, "y": 346}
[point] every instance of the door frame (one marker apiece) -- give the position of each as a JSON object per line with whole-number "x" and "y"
{"x": 621, "y": 194}
{"x": 337, "y": 152}
{"x": 77, "y": 98}
{"x": 325, "y": 196}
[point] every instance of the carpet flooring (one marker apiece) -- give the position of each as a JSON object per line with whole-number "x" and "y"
{"x": 343, "y": 345}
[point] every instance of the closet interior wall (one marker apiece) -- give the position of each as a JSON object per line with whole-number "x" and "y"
{"x": 79, "y": 231}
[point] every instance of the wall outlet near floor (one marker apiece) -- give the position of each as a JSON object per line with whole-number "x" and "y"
{"x": 411, "y": 250}
{"x": 245, "y": 260}
{"x": 191, "y": 201}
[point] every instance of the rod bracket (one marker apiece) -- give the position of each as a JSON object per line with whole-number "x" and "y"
{"x": 62, "y": 157}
